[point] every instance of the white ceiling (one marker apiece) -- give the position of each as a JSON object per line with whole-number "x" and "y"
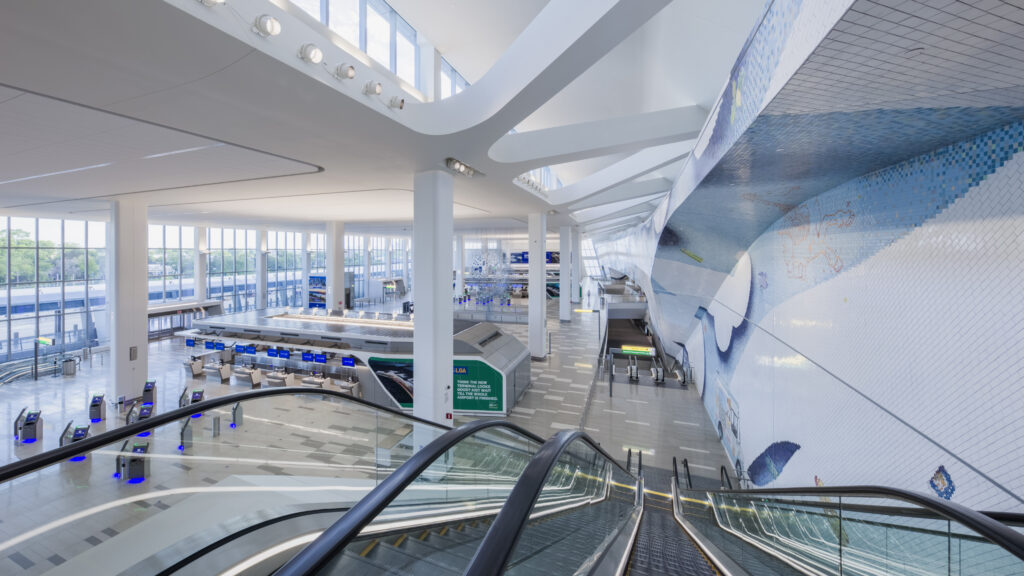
{"x": 261, "y": 142}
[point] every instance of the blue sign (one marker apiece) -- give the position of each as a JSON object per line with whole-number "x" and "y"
{"x": 190, "y": 342}
{"x": 321, "y": 358}
{"x": 218, "y": 346}
{"x": 250, "y": 349}
{"x": 307, "y": 356}
{"x": 272, "y": 352}
{"x": 239, "y": 349}
{"x": 348, "y": 361}
{"x": 284, "y": 354}
{"x": 209, "y": 345}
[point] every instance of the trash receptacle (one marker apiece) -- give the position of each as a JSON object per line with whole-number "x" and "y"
{"x": 69, "y": 367}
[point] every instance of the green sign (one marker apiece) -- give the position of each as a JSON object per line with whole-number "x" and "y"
{"x": 477, "y": 387}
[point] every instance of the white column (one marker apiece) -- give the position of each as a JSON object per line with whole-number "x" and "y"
{"x": 538, "y": 229}
{"x": 128, "y": 290}
{"x": 261, "y": 269}
{"x": 460, "y": 265}
{"x": 577, "y": 266}
{"x": 429, "y": 69}
{"x": 199, "y": 263}
{"x": 335, "y": 241}
{"x": 432, "y": 335}
{"x": 565, "y": 285}
{"x": 304, "y": 243}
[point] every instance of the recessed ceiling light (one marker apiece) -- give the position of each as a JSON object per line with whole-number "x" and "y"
{"x": 310, "y": 53}
{"x": 373, "y": 89}
{"x": 345, "y": 72}
{"x": 267, "y": 25}
{"x": 459, "y": 167}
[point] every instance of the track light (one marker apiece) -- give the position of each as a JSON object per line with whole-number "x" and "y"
{"x": 459, "y": 167}
{"x": 397, "y": 102}
{"x": 212, "y": 3}
{"x": 345, "y": 72}
{"x": 310, "y": 53}
{"x": 373, "y": 89}
{"x": 267, "y": 25}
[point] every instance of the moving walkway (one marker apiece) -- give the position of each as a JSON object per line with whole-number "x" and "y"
{"x": 305, "y": 481}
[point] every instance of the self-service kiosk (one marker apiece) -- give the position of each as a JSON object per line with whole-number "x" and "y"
{"x": 197, "y": 395}
{"x": 144, "y": 413}
{"x": 149, "y": 392}
{"x": 74, "y": 433}
{"x": 132, "y": 463}
{"x": 28, "y": 427}
{"x": 97, "y": 409}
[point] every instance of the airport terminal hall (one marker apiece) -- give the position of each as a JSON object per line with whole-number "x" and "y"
{"x": 525, "y": 287}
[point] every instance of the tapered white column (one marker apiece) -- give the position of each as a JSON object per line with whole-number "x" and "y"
{"x": 565, "y": 286}
{"x": 304, "y": 243}
{"x": 128, "y": 290}
{"x": 460, "y": 265}
{"x": 432, "y": 262}
{"x": 335, "y": 239}
{"x": 199, "y": 263}
{"x": 577, "y": 267}
{"x": 261, "y": 269}
{"x": 537, "y": 287}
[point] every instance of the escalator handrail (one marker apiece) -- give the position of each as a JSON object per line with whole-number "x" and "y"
{"x": 987, "y": 527}
{"x": 33, "y": 463}
{"x": 499, "y": 542}
{"x": 332, "y": 541}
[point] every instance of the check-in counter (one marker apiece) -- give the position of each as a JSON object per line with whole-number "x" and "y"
{"x": 274, "y": 379}
{"x": 249, "y": 375}
{"x": 217, "y": 371}
{"x": 316, "y": 382}
{"x": 194, "y": 364}
{"x": 348, "y": 387}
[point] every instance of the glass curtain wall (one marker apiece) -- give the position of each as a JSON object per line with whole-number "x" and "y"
{"x": 355, "y": 261}
{"x": 284, "y": 269}
{"x": 231, "y": 268}
{"x": 318, "y": 254}
{"x": 378, "y": 257}
{"x": 52, "y": 286}
{"x": 171, "y": 263}
{"x": 591, "y": 265}
{"x": 397, "y": 257}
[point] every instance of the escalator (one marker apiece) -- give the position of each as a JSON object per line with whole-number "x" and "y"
{"x": 296, "y": 481}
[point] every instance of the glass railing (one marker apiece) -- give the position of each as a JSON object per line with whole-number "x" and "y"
{"x": 430, "y": 516}
{"x": 857, "y": 530}
{"x": 257, "y": 470}
{"x": 573, "y": 509}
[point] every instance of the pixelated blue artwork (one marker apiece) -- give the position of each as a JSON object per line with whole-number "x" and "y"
{"x": 769, "y": 464}
{"x": 942, "y": 483}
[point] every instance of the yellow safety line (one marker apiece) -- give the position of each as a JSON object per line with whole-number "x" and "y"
{"x": 662, "y": 494}
{"x": 368, "y": 548}
{"x": 424, "y": 535}
{"x": 400, "y": 540}
{"x": 443, "y": 531}
{"x": 460, "y": 527}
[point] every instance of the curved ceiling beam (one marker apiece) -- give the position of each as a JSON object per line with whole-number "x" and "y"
{"x": 645, "y": 205}
{"x": 627, "y": 191}
{"x": 622, "y": 171}
{"x": 599, "y": 138}
{"x": 631, "y": 219}
{"x": 610, "y": 229}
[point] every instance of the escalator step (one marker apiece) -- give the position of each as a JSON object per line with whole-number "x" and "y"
{"x": 663, "y": 548}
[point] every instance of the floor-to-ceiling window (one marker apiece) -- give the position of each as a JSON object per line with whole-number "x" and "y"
{"x": 231, "y": 268}
{"x": 52, "y": 286}
{"x": 284, "y": 269}
{"x": 591, "y": 265}
{"x": 355, "y": 259}
{"x": 318, "y": 254}
{"x": 378, "y": 255}
{"x": 397, "y": 257}
{"x": 171, "y": 263}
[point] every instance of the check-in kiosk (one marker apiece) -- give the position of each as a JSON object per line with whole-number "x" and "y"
{"x": 132, "y": 463}
{"x": 237, "y": 415}
{"x": 197, "y": 395}
{"x": 145, "y": 412}
{"x": 250, "y": 375}
{"x": 149, "y": 392}
{"x": 97, "y": 408}
{"x": 218, "y": 370}
{"x": 74, "y": 433}
{"x": 28, "y": 427}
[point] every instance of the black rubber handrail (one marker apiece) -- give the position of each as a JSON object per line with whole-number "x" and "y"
{"x": 332, "y": 541}
{"x": 499, "y": 542}
{"x": 724, "y": 477}
{"x": 987, "y": 527}
{"x": 33, "y": 463}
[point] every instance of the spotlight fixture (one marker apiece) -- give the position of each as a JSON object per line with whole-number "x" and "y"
{"x": 459, "y": 167}
{"x": 397, "y": 102}
{"x": 267, "y": 25}
{"x": 310, "y": 53}
{"x": 345, "y": 72}
{"x": 373, "y": 89}
{"x": 212, "y": 3}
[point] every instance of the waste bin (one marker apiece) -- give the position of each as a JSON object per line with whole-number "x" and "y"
{"x": 69, "y": 366}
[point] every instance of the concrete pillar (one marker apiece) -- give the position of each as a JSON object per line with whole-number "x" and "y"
{"x": 305, "y": 243}
{"x": 335, "y": 243}
{"x": 128, "y": 294}
{"x": 565, "y": 285}
{"x": 537, "y": 287}
{"x": 261, "y": 270}
{"x": 460, "y": 265}
{"x": 199, "y": 263}
{"x": 577, "y": 266}
{"x": 432, "y": 336}
{"x": 429, "y": 69}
